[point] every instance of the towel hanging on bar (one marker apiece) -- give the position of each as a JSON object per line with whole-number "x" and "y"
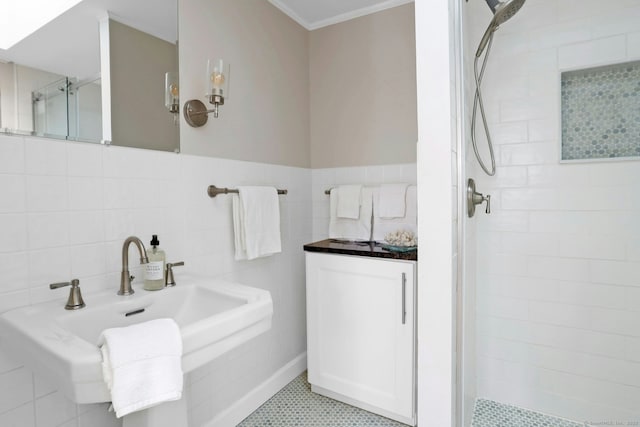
{"x": 256, "y": 223}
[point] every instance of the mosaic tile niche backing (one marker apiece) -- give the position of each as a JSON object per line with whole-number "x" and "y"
{"x": 601, "y": 112}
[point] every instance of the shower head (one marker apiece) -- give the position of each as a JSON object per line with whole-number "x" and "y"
{"x": 502, "y": 12}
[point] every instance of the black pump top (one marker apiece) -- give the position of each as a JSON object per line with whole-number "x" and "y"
{"x": 154, "y": 240}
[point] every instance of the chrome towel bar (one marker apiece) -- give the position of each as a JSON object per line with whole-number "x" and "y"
{"x": 213, "y": 191}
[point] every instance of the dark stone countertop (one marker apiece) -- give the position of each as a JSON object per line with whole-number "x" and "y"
{"x": 369, "y": 249}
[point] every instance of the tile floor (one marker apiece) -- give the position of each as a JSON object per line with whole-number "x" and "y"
{"x": 488, "y": 413}
{"x": 296, "y": 405}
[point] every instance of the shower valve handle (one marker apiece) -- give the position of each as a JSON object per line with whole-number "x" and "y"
{"x": 488, "y": 199}
{"x": 475, "y": 198}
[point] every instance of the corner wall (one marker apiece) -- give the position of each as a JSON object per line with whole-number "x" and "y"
{"x": 437, "y": 160}
{"x": 265, "y": 118}
{"x": 363, "y": 91}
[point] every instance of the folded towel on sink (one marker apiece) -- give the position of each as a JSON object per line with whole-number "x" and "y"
{"x": 142, "y": 364}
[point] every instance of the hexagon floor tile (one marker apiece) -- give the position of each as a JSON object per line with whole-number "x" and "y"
{"x": 296, "y": 405}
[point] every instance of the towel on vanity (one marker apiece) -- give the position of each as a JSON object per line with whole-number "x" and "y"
{"x": 392, "y": 202}
{"x": 351, "y": 229}
{"x": 256, "y": 222}
{"x": 142, "y": 364}
{"x": 384, "y": 226}
{"x": 349, "y": 200}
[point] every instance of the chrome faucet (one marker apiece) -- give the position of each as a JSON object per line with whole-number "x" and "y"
{"x": 125, "y": 279}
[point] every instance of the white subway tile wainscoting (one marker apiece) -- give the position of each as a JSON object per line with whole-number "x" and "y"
{"x": 67, "y": 208}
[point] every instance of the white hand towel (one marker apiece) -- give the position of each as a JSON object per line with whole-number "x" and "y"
{"x": 384, "y": 226}
{"x": 142, "y": 364}
{"x": 393, "y": 202}
{"x": 256, "y": 222}
{"x": 349, "y": 200}
{"x": 351, "y": 229}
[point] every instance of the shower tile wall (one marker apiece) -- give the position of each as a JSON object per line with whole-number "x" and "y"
{"x": 66, "y": 208}
{"x": 558, "y": 259}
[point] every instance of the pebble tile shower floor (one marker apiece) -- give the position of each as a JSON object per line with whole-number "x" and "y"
{"x": 296, "y": 405}
{"x": 488, "y": 413}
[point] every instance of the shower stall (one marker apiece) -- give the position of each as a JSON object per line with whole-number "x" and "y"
{"x": 538, "y": 303}
{"x": 68, "y": 108}
{"x": 51, "y": 105}
{"x": 553, "y": 273}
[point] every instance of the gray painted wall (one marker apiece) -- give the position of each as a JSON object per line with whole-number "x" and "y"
{"x": 139, "y": 62}
{"x": 343, "y": 95}
{"x": 363, "y": 91}
{"x": 266, "y": 116}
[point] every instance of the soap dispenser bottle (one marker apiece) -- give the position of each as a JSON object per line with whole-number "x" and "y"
{"x": 154, "y": 269}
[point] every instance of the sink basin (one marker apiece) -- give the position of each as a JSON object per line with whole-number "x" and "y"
{"x": 214, "y": 316}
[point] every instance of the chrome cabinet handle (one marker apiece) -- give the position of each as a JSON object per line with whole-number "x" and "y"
{"x": 404, "y": 298}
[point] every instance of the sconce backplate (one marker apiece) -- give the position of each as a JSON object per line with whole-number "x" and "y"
{"x": 195, "y": 113}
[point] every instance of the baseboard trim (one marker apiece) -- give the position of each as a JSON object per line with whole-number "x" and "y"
{"x": 242, "y": 408}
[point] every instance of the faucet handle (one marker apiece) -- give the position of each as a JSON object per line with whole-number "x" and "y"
{"x": 475, "y": 198}
{"x": 75, "y": 301}
{"x": 169, "y": 280}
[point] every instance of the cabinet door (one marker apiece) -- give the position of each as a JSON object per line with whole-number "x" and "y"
{"x": 360, "y": 343}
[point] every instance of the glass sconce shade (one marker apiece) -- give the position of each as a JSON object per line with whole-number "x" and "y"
{"x": 217, "y": 80}
{"x": 171, "y": 92}
{"x": 195, "y": 111}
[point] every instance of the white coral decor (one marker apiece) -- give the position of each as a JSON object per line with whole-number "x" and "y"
{"x": 402, "y": 238}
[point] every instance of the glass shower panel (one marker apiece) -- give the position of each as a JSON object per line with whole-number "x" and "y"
{"x": 85, "y": 112}
{"x": 50, "y": 109}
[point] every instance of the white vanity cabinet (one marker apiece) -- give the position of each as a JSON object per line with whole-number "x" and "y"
{"x": 361, "y": 332}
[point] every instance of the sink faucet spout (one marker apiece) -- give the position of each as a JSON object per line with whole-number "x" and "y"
{"x": 125, "y": 279}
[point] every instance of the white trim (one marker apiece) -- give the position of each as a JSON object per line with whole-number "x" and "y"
{"x": 290, "y": 13}
{"x": 337, "y": 18}
{"x": 242, "y": 408}
{"x": 358, "y": 13}
{"x": 596, "y": 159}
{"x": 437, "y": 140}
{"x": 105, "y": 75}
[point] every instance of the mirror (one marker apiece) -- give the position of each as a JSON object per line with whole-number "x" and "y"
{"x": 96, "y": 73}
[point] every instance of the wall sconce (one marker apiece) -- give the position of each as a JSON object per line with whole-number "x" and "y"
{"x": 172, "y": 95}
{"x": 171, "y": 92}
{"x": 195, "y": 112}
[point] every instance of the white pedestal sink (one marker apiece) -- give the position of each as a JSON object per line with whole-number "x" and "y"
{"x": 214, "y": 316}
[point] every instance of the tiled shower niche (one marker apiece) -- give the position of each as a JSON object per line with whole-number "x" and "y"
{"x": 601, "y": 112}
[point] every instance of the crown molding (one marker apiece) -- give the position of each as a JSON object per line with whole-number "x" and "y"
{"x": 310, "y": 26}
